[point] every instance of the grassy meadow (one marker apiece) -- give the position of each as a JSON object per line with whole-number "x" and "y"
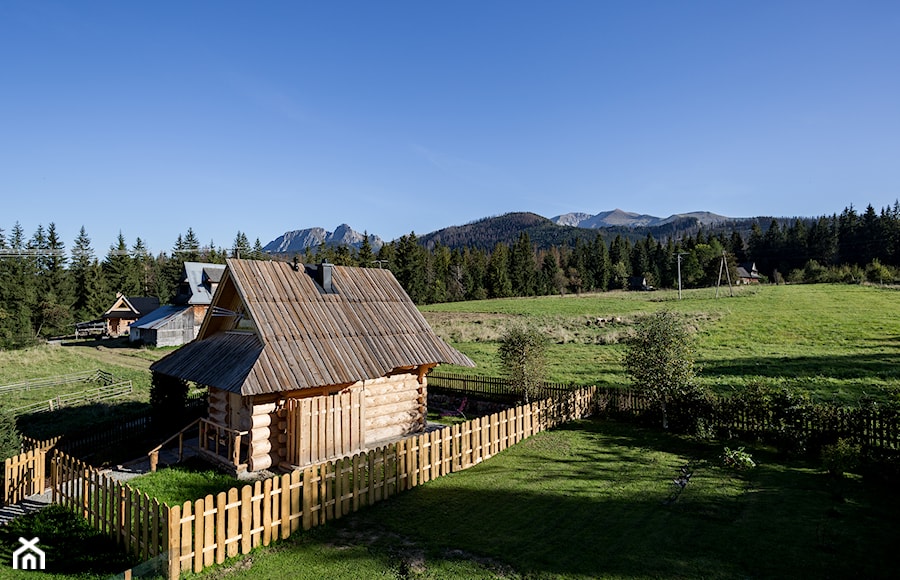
{"x": 592, "y": 499}
{"x": 837, "y": 342}
{"x": 45, "y": 361}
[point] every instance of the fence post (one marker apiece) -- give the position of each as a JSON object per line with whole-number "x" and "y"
{"x": 173, "y": 515}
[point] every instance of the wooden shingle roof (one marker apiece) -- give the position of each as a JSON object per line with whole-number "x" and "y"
{"x": 297, "y": 335}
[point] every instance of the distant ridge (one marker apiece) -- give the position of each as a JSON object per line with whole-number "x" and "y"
{"x": 619, "y": 218}
{"x": 296, "y": 241}
{"x": 562, "y": 230}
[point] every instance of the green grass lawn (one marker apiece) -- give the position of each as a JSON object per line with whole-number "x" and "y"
{"x": 837, "y": 342}
{"x": 190, "y": 480}
{"x": 590, "y": 501}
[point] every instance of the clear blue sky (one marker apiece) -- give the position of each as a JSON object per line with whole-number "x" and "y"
{"x": 152, "y": 117}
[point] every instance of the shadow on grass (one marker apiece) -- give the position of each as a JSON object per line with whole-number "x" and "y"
{"x": 71, "y": 546}
{"x": 590, "y": 500}
{"x": 72, "y": 420}
{"x": 882, "y": 366}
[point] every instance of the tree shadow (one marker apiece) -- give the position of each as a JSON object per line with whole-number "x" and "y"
{"x": 599, "y": 509}
{"x": 882, "y": 366}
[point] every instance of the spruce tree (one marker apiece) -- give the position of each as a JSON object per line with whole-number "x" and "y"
{"x": 82, "y": 258}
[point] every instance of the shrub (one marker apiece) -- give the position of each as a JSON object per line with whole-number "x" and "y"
{"x": 10, "y": 443}
{"x": 841, "y": 457}
{"x": 737, "y": 459}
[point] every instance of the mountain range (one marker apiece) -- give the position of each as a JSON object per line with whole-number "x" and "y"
{"x": 486, "y": 233}
{"x": 618, "y": 217}
{"x": 297, "y": 241}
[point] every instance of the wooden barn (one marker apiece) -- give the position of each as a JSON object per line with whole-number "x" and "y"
{"x": 307, "y": 363}
{"x": 125, "y": 311}
{"x": 180, "y": 322}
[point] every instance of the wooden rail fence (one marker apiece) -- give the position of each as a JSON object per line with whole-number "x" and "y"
{"x": 104, "y": 393}
{"x": 490, "y": 388}
{"x": 96, "y": 376}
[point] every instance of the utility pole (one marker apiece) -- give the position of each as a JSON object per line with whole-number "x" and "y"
{"x": 679, "y": 274}
{"x": 723, "y": 265}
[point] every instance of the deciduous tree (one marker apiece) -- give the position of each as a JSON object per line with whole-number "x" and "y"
{"x": 523, "y": 359}
{"x": 659, "y": 358}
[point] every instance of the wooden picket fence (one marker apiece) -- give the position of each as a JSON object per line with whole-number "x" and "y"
{"x": 205, "y": 531}
{"x": 137, "y": 522}
{"x": 23, "y": 475}
{"x": 873, "y": 427}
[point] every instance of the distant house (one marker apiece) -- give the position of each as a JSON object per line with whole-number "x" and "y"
{"x": 307, "y": 363}
{"x": 747, "y": 273}
{"x": 638, "y": 283}
{"x": 179, "y": 323}
{"x": 125, "y": 311}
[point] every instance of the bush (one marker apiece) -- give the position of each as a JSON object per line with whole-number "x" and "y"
{"x": 691, "y": 410}
{"x": 10, "y": 443}
{"x": 737, "y": 459}
{"x": 841, "y": 457}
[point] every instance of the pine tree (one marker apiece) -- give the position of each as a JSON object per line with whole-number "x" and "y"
{"x": 142, "y": 267}
{"x": 365, "y": 257}
{"x": 409, "y": 267}
{"x": 600, "y": 264}
{"x": 241, "y": 246}
{"x": 121, "y": 273}
{"x": 258, "y": 252}
{"x": 55, "y": 307}
{"x": 18, "y": 292}
{"x": 497, "y": 280}
{"x": 521, "y": 267}
{"x": 82, "y": 258}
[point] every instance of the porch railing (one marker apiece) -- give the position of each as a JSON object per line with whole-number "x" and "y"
{"x": 224, "y": 443}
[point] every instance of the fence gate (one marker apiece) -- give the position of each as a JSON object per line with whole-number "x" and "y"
{"x": 24, "y": 475}
{"x": 325, "y": 427}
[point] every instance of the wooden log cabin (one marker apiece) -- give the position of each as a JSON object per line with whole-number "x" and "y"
{"x": 126, "y": 310}
{"x": 308, "y": 363}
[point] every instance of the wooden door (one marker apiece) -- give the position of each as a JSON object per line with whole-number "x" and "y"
{"x": 325, "y": 427}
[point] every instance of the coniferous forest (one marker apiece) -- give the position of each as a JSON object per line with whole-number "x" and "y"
{"x": 47, "y": 286}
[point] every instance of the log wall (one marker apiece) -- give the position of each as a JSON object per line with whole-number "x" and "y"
{"x": 394, "y": 406}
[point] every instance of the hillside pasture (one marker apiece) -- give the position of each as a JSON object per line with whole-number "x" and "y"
{"x": 836, "y": 342}
{"x": 46, "y": 361}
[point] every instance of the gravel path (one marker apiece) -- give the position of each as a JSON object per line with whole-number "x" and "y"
{"x": 26, "y": 506}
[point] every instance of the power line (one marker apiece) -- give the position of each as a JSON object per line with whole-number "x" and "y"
{"x": 31, "y": 253}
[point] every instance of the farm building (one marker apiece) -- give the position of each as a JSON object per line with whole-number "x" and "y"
{"x": 747, "y": 273}
{"x": 180, "y": 322}
{"x": 307, "y": 363}
{"x": 125, "y": 311}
